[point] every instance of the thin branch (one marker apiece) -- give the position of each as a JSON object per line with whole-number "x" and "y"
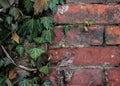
{"x": 4, "y": 50}
{"x": 26, "y": 68}
{"x": 20, "y": 66}
{"x": 1, "y": 9}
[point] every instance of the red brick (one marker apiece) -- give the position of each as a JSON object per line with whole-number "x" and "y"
{"x": 58, "y": 34}
{"x": 114, "y": 77}
{"x": 80, "y": 77}
{"x": 92, "y": 1}
{"x": 85, "y": 1}
{"x": 76, "y": 13}
{"x": 53, "y": 77}
{"x": 88, "y": 56}
{"x": 78, "y": 38}
{"x": 86, "y": 77}
{"x": 113, "y": 35}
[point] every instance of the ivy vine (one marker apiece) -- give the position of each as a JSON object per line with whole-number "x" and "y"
{"x": 24, "y": 28}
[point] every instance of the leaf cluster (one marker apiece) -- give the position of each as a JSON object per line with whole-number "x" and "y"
{"x": 22, "y": 20}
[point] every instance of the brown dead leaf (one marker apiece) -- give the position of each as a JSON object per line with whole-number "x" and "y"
{"x": 39, "y": 6}
{"x": 13, "y": 73}
{"x": 15, "y": 37}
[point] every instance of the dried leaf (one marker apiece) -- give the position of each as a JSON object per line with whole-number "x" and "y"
{"x": 39, "y": 6}
{"x": 13, "y": 73}
{"x": 15, "y": 37}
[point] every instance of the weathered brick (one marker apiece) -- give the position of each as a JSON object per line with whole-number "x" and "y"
{"x": 85, "y": 1}
{"x": 112, "y": 35}
{"x": 53, "y": 77}
{"x": 88, "y": 56}
{"x": 75, "y": 13}
{"x": 58, "y": 34}
{"x": 112, "y": 1}
{"x": 80, "y": 77}
{"x": 92, "y": 1}
{"x": 114, "y": 77}
{"x": 86, "y": 77}
{"x": 76, "y": 37}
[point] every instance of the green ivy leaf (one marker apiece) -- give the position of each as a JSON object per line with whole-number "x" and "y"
{"x": 69, "y": 75}
{"x": 36, "y": 79}
{"x": 36, "y": 52}
{"x": 45, "y": 70}
{"x": 36, "y": 85}
{"x": 89, "y": 23}
{"x": 25, "y": 82}
{"x": 14, "y": 12}
{"x": 62, "y": 1}
{"x": 14, "y": 27}
{"x": 1, "y": 63}
{"x": 47, "y": 22}
{"x": 66, "y": 29}
{"x": 33, "y": 63}
{"x": 55, "y": 1}
{"x": 1, "y": 20}
{"x": 2, "y": 81}
{"x": 20, "y": 49}
{"x": 39, "y": 40}
{"x": 9, "y": 19}
{"x": 53, "y": 6}
{"x": 31, "y": 27}
{"x": 48, "y": 35}
{"x": 28, "y": 5}
{"x": 47, "y": 83}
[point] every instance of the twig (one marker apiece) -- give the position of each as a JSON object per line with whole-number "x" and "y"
{"x": 8, "y": 55}
{"x": 20, "y": 66}
{"x": 26, "y": 68}
{"x": 1, "y": 9}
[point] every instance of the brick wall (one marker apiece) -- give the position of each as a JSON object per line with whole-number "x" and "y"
{"x": 93, "y": 56}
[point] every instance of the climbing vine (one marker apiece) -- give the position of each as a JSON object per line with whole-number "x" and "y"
{"x": 25, "y": 31}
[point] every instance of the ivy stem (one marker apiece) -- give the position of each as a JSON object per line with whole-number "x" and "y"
{"x": 19, "y": 66}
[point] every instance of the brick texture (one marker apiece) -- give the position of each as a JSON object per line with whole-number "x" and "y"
{"x": 85, "y": 1}
{"x": 92, "y": 1}
{"x": 112, "y": 1}
{"x": 101, "y": 14}
{"x": 114, "y": 77}
{"x": 93, "y": 55}
{"x": 58, "y": 34}
{"x": 76, "y": 37}
{"x": 86, "y": 77}
{"x": 112, "y": 35}
{"x": 88, "y": 56}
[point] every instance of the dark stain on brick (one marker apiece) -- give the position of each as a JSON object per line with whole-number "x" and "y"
{"x": 96, "y": 35}
{"x": 110, "y": 14}
{"x": 112, "y": 1}
{"x": 91, "y": 37}
{"x": 81, "y": 15}
{"x": 110, "y": 38}
{"x": 101, "y": 1}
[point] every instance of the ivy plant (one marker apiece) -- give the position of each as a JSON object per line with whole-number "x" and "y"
{"x": 22, "y": 20}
